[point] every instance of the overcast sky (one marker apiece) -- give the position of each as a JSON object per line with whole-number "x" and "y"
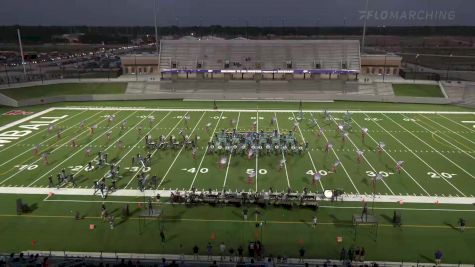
{"x": 237, "y": 12}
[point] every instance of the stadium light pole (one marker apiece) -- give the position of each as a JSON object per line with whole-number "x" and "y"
{"x": 448, "y": 68}
{"x": 6, "y": 74}
{"x": 364, "y": 26}
{"x": 155, "y": 11}
{"x": 21, "y": 52}
{"x": 415, "y": 73}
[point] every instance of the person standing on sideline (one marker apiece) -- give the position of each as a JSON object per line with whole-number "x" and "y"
{"x": 438, "y": 257}
{"x": 162, "y": 235}
{"x": 195, "y": 251}
{"x": 244, "y": 213}
{"x": 462, "y": 224}
{"x": 209, "y": 251}
{"x": 222, "y": 251}
{"x": 362, "y": 254}
{"x": 301, "y": 254}
{"x": 342, "y": 254}
{"x": 364, "y": 212}
{"x": 314, "y": 221}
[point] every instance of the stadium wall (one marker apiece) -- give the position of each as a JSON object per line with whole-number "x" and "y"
{"x": 221, "y": 97}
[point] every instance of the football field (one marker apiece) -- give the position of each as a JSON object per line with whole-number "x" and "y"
{"x": 436, "y": 148}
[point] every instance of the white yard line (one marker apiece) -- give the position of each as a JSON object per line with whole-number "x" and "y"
{"x": 403, "y": 169}
{"x": 65, "y": 143}
{"x": 257, "y": 154}
{"x": 153, "y": 153}
{"x": 341, "y": 162}
{"x": 230, "y": 154}
{"x": 461, "y": 124}
{"x": 283, "y": 155}
{"x": 455, "y": 164}
{"x": 53, "y": 136}
{"x": 117, "y": 140}
{"x": 440, "y": 135}
{"x": 308, "y": 152}
{"x": 205, "y": 152}
{"x": 463, "y": 137}
{"x": 41, "y": 131}
{"x": 367, "y": 161}
{"x": 266, "y": 110}
{"x": 417, "y": 156}
{"x": 179, "y": 152}
{"x": 79, "y": 150}
{"x": 25, "y": 119}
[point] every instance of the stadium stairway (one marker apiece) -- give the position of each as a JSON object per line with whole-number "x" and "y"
{"x": 384, "y": 89}
{"x": 135, "y": 88}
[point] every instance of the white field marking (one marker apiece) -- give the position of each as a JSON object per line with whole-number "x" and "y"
{"x": 140, "y": 140}
{"x": 367, "y": 161}
{"x": 417, "y": 156}
{"x": 153, "y": 153}
{"x": 445, "y": 139}
{"x": 267, "y": 110}
{"x": 403, "y": 169}
{"x": 130, "y": 129}
{"x": 25, "y": 119}
{"x": 79, "y": 150}
{"x": 158, "y": 123}
{"x": 456, "y": 122}
{"x": 449, "y": 129}
{"x": 283, "y": 156}
{"x": 471, "y": 175}
{"x": 206, "y": 150}
{"x": 46, "y": 128}
{"x": 230, "y": 155}
{"x": 308, "y": 152}
{"x": 54, "y": 136}
{"x": 338, "y": 158}
{"x": 67, "y": 142}
{"x": 257, "y": 154}
{"x": 179, "y": 152}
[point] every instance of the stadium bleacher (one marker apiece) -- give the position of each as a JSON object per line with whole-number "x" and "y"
{"x": 321, "y": 57}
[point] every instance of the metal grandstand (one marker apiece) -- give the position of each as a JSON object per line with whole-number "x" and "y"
{"x": 323, "y": 58}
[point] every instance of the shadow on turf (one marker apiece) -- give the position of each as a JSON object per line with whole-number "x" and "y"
{"x": 451, "y": 226}
{"x": 341, "y": 223}
{"x": 426, "y": 259}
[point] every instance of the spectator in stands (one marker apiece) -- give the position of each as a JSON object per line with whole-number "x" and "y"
{"x": 438, "y": 257}
{"x": 214, "y": 264}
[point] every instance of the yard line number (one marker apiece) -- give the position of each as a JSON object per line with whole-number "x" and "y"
{"x": 441, "y": 175}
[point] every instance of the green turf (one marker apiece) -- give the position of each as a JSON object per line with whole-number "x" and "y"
{"x": 65, "y": 89}
{"x": 438, "y": 143}
{"x": 425, "y": 229}
{"x": 418, "y": 90}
